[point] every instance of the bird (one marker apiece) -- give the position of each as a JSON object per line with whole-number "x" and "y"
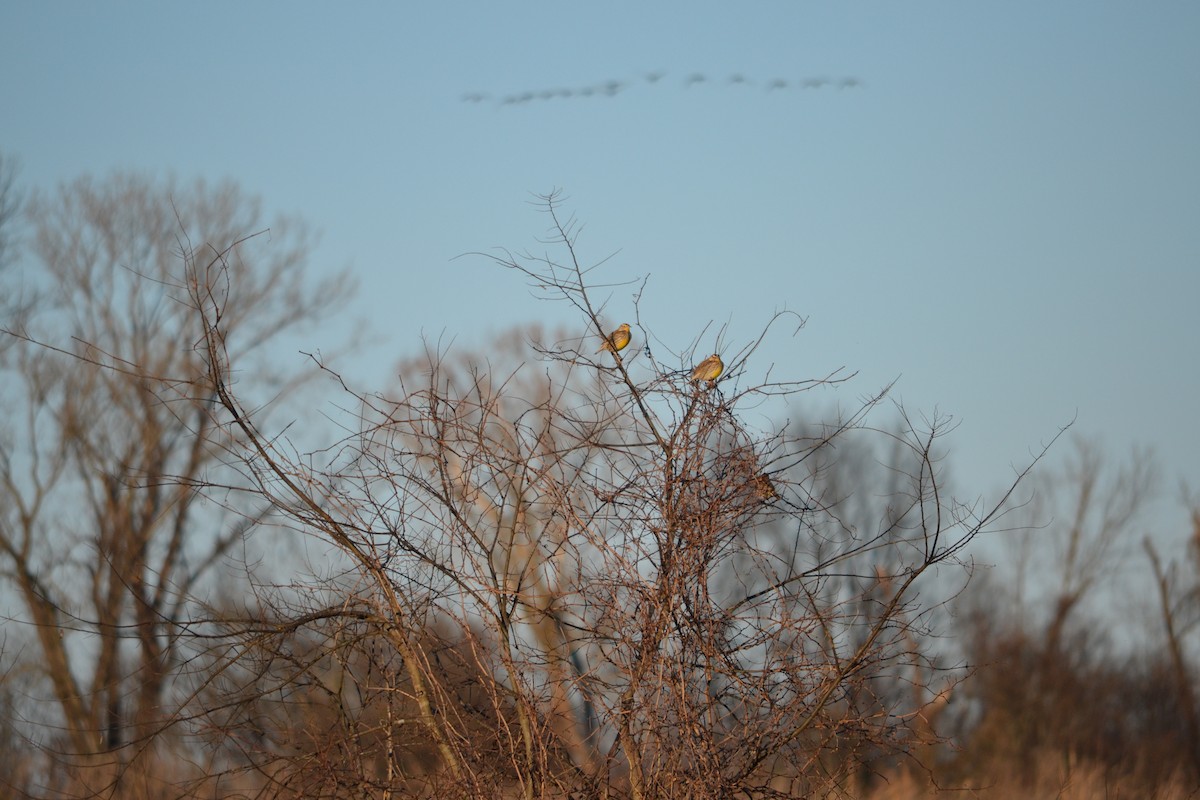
{"x": 612, "y": 87}
{"x": 708, "y": 370}
{"x": 617, "y": 340}
{"x": 764, "y": 488}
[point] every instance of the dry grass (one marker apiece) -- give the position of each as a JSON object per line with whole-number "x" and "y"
{"x": 1052, "y": 777}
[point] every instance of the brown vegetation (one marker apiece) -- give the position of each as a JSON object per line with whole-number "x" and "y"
{"x": 544, "y": 571}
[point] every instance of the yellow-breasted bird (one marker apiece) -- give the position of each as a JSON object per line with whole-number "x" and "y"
{"x": 617, "y": 340}
{"x": 708, "y": 370}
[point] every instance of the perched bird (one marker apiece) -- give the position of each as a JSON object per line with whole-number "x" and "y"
{"x": 708, "y": 370}
{"x": 764, "y": 488}
{"x": 617, "y": 340}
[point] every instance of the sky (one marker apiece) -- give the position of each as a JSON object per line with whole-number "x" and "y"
{"x": 996, "y": 203}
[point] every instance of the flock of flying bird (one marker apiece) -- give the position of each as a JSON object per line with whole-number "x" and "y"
{"x": 707, "y": 370}
{"x": 614, "y": 87}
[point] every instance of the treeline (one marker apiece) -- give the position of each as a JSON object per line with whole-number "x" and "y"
{"x": 1083, "y": 642}
{"x": 564, "y": 566}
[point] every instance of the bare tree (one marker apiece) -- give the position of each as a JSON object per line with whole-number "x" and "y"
{"x": 656, "y": 600}
{"x": 103, "y": 536}
{"x": 1178, "y": 590}
{"x": 1091, "y": 511}
{"x": 15, "y": 302}
{"x": 1054, "y": 685}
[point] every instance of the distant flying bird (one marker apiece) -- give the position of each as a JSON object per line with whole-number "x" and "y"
{"x": 708, "y": 370}
{"x": 616, "y": 86}
{"x": 764, "y": 488}
{"x": 617, "y": 340}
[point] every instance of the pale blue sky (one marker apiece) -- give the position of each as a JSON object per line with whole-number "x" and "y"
{"x": 1006, "y": 213}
